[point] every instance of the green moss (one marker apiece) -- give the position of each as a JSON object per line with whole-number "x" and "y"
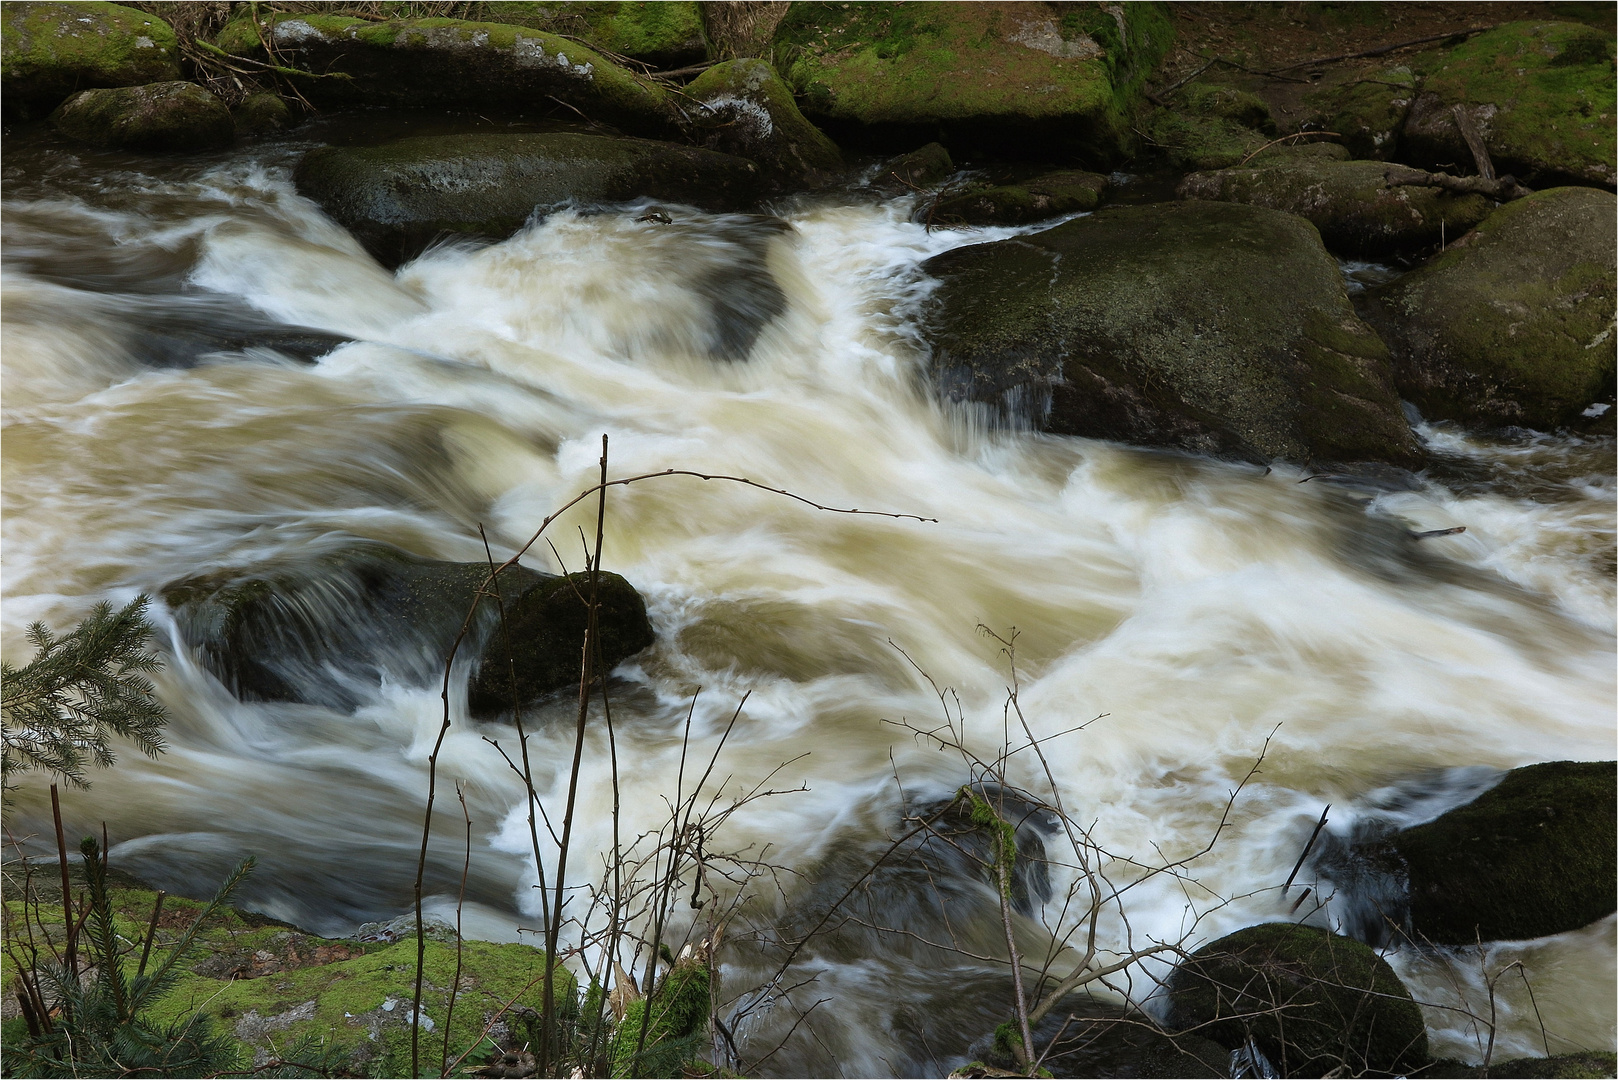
{"x": 679, "y": 1016}
{"x": 1239, "y": 106}
{"x": 1311, "y": 1000}
{"x": 1554, "y": 89}
{"x": 788, "y": 145}
{"x": 1201, "y": 142}
{"x": 49, "y": 50}
{"x": 1529, "y": 857}
{"x": 161, "y": 117}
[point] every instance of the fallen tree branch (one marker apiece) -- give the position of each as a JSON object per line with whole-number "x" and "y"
{"x": 1284, "y": 138}
{"x": 1383, "y": 50}
{"x": 1502, "y": 189}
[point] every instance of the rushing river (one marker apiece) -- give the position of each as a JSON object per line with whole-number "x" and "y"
{"x": 159, "y": 425}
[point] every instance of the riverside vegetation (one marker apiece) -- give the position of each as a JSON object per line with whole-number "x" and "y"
{"x": 1199, "y": 305}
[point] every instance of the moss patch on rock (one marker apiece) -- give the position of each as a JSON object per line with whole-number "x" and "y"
{"x": 1515, "y": 324}
{"x": 162, "y": 117}
{"x": 1541, "y": 93}
{"x": 1367, "y": 109}
{"x": 1348, "y": 201}
{"x": 1005, "y": 78}
{"x": 1210, "y": 126}
{"x": 49, "y": 50}
{"x": 749, "y": 111}
{"x": 1049, "y": 195}
{"x": 454, "y": 63}
{"x": 1530, "y": 857}
{"x": 397, "y": 197}
{"x": 679, "y": 1011}
{"x": 1311, "y": 1000}
{"x": 1210, "y": 327}
{"x": 666, "y": 34}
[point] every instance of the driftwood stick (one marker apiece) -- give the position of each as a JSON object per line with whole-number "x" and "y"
{"x": 1383, "y": 50}
{"x": 1474, "y": 142}
{"x": 1503, "y": 189}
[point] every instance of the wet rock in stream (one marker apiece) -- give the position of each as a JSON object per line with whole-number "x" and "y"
{"x": 160, "y": 117}
{"x": 327, "y": 631}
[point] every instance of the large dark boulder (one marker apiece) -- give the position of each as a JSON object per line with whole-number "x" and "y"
{"x": 1020, "y": 78}
{"x": 747, "y": 110}
{"x": 1348, "y": 201}
{"x": 1208, "y": 327}
{"x": 327, "y": 630}
{"x": 1540, "y": 93}
{"x": 450, "y": 63}
{"x": 1311, "y": 1001}
{"x": 1530, "y": 857}
{"x": 1514, "y": 324}
{"x": 49, "y": 50}
{"x": 167, "y": 116}
{"x": 397, "y": 197}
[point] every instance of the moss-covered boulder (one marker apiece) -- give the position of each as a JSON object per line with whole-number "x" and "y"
{"x": 1209, "y": 126}
{"x": 925, "y": 167}
{"x": 165, "y": 117}
{"x": 262, "y": 113}
{"x": 321, "y": 630}
{"x": 452, "y": 63}
{"x": 660, "y": 1043}
{"x": 1367, "y": 109}
{"x": 1514, "y": 324}
{"x": 747, "y": 110}
{"x": 1348, "y": 201}
{"x": 1209, "y": 327}
{"x": 1049, "y": 195}
{"x": 1019, "y": 78}
{"x": 49, "y": 50}
{"x": 1541, "y": 94}
{"x": 397, "y": 197}
{"x": 1311, "y": 1000}
{"x": 664, "y": 33}
{"x": 1531, "y": 856}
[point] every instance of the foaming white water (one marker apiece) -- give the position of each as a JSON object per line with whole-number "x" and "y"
{"x": 1203, "y": 607}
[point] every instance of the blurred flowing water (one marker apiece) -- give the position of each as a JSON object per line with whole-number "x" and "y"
{"x": 163, "y": 418}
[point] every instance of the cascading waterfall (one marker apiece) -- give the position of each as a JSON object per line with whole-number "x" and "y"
{"x": 202, "y": 373}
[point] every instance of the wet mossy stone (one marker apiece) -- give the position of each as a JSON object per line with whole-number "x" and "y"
{"x": 664, "y": 33}
{"x": 1582, "y": 1066}
{"x": 1531, "y": 856}
{"x": 1348, "y": 201}
{"x": 397, "y": 197}
{"x": 1208, "y": 126}
{"x": 1311, "y": 1000}
{"x": 1209, "y": 327}
{"x": 1541, "y": 94}
{"x": 1227, "y": 102}
{"x": 1366, "y": 109}
{"x": 1022, "y": 79}
{"x": 453, "y": 63}
{"x": 163, "y": 117}
{"x": 679, "y": 1011}
{"x": 1050, "y": 195}
{"x": 747, "y": 110}
{"x": 1514, "y": 324}
{"x": 49, "y": 50}
{"x": 328, "y": 630}
{"x": 926, "y": 167}
{"x": 261, "y": 113}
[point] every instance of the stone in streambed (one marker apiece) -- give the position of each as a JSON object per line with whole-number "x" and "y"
{"x": 50, "y": 50}
{"x": 1050, "y": 195}
{"x": 1208, "y": 327}
{"x": 323, "y": 630}
{"x": 1311, "y": 1000}
{"x": 1348, "y": 201}
{"x": 397, "y": 197}
{"x": 1514, "y": 324}
{"x": 1531, "y": 856}
{"x": 1208, "y": 126}
{"x": 162, "y": 117}
{"x": 747, "y": 110}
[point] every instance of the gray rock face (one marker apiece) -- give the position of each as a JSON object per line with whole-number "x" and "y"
{"x": 321, "y": 631}
{"x": 749, "y": 111}
{"x": 1348, "y": 201}
{"x": 1208, "y": 327}
{"x": 167, "y": 116}
{"x": 49, "y": 50}
{"x": 1513, "y": 325}
{"x": 397, "y": 197}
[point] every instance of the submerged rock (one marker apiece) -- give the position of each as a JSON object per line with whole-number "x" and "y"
{"x": 1020, "y": 78}
{"x": 1513, "y": 325}
{"x": 1046, "y": 196}
{"x": 747, "y": 110}
{"x": 397, "y": 197}
{"x": 328, "y": 631}
{"x": 167, "y": 116}
{"x": 1530, "y": 857}
{"x": 1541, "y": 94}
{"x": 49, "y": 50}
{"x": 1208, "y": 327}
{"x": 1348, "y": 201}
{"x": 452, "y": 63}
{"x": 1310, "y": 1000}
